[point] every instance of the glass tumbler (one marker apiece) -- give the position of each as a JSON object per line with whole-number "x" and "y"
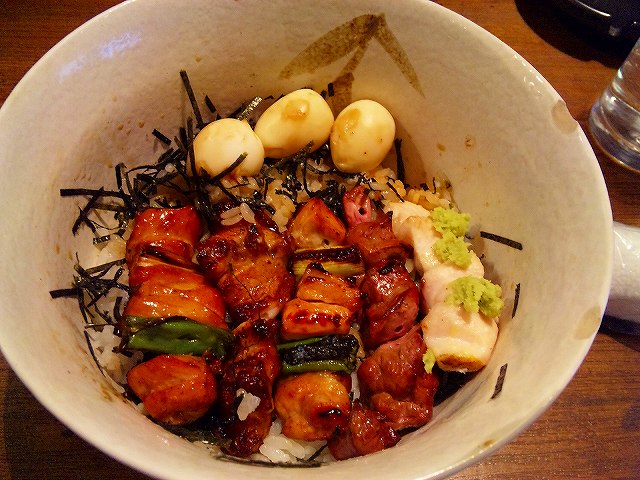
{"x": 615, "y": 118}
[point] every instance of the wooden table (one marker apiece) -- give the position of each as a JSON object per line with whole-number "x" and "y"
{"x": 591, "y": 432}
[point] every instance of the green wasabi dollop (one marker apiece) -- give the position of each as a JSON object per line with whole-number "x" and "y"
{"x": 452, "y": 249}
{"x": 429, "y": 360}
{"x": 476, "y": 294}
{"x": 450, "y": 220}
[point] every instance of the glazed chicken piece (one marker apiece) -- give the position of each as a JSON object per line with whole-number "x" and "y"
{"x": 162, "y": 290}
{"x": 318, "y": 285}
{"x": 366, "y": 432}
{"x": 377, "y": 242}
{"x": 253, "y": 367}
{"x": 313, "y": 405}
{"x": 175, "y": 389}
{"x": 249, "y": 265}
{"x": 151, "y": 268}
{"x": 302, "y": 319}
{"x": 396, "y": 384}
{"x": 315, "y": 225}
{"x": 170, "y": 234}
{"x": 391, "y": 306}
{"x": 325, "y": 304}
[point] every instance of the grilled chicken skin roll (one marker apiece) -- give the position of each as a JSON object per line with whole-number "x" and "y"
{"x": 162, "y": 290}
{"x": 170, "y": 234}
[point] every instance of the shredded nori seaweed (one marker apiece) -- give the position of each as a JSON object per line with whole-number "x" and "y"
{"x": 266, "y": 463}
{"x": 400, "y": 173}
{"x": 94, "y": 285}
{"x": 160, "y": 136}
{"x": 210, "y": 105}
{"x": 505, "y": 241}
{"x": 296, "y": 186}
{"x": 93, "y": 353}
{"x": 516, "y": 298}
{"x": 250, "y": 107}
{"x": 500, "y": 381}
{"x": 192, "y": 98}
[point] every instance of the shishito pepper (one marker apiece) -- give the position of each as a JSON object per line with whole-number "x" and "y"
{"x": 336, "y": 353}
{"x": 176, "y": 335}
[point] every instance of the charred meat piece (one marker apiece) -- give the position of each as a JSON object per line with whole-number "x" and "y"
{"x": 175, "y": 389}
{"x": 163, "y": 290}
{"x": 399, "y": 414}
{"x": 302, "y": 319}
{"x": 392, "y": 304}
{"x": 394, "y": 380}
{"x": 366, "y": 432}
{"x": 357, "y": 206}
{"x": 151, "y": 268}
{"x": 170, "y": 234}
{"x": 315, "y": 225}
{"x": 403, "y": 357}
{"x": 377, "y": 242}
{"x": 249, "y": 265}
{"x": 325, "y": 304}
{"x": 253, "y": 367}
{"x": 318, "y": 285}
{"x": 313, "y": 405}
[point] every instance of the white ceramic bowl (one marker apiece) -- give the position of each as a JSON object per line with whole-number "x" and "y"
{"x": 467, "y": 105}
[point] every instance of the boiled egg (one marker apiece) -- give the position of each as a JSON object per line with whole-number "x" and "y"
{"x": 293, "y": 121}
{"x": 361, "y": 137}
{"x": 219, "y": 144}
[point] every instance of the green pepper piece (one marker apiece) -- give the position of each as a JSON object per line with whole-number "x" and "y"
{"x": 337, "y": 353}
{"x": 134, "y": 323}
{"x": 177, "y": 335}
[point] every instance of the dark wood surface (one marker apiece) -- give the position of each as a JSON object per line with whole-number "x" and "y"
{"x": 591, "y": 432}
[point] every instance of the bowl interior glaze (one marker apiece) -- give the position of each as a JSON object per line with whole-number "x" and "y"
{"x": 467, "y": 106}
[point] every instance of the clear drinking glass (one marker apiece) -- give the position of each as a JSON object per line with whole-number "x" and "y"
{"x": 615, "y": 118}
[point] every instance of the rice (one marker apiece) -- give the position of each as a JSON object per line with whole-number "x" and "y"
{"x": 115, "y": 365}
{"x": 231, "y": 216}
{"x": 232, "y": 212}
{"x": 383, "y": 185}
{"x": 247, "y": 213}
{"x": 427, "y": 198}
{"x": 247, "y": 405}
{"x": 113, "y": 249}
{"x": 279, "y": 448}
